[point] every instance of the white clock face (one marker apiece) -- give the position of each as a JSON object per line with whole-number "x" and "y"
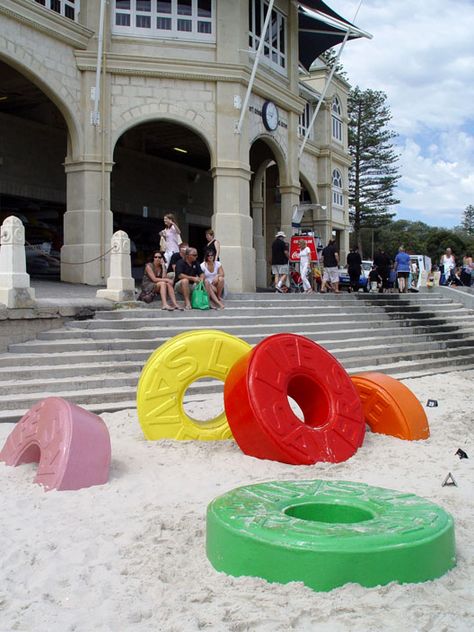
{"x": 270, "y": 115}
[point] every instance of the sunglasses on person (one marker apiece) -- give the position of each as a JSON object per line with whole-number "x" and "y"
{"x": 157, "y": 257}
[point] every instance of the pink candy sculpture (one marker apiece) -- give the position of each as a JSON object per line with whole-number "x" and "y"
{"x": 70, "y": 445}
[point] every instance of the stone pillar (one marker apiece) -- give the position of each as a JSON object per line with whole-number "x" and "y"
{"x": 259, "y": 243}
{"x": 87, "y": 223}
{"x": 290, "y": 197}
{"x": 120, "y": 284}
{"x": 233, "y": 225}
{"x": 15, "y": 288}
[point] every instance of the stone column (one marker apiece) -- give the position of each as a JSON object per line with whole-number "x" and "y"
{"x": 87, "y": 223}
{"x": 120, "y": 284}
{"x": 233, "y": 225}
{"x": 15, "y": 288}
{"x": 259, "y": 243}
{"x": 290, "y": 197}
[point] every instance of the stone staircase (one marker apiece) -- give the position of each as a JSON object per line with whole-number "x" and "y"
{"x": 96, "y": 363}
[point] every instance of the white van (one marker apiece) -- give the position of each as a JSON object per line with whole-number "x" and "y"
{"x": 420, "y": 267}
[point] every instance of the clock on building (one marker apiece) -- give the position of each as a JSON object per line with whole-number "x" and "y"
{"x": 270, "y": 116}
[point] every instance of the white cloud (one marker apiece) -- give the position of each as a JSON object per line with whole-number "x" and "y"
{"x": 422, "y": 57}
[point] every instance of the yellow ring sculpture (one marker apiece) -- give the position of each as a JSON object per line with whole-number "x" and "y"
{"x": 168, "y": 373}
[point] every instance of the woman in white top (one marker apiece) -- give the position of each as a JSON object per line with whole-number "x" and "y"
{"x": 213, "y": 279}
{"x": 172, "y": 236}
{"x": 448, "y": 264}
{"x": 305, "y": 262}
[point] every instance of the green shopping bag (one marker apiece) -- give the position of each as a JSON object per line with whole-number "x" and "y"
{"x": 199, "y": 297}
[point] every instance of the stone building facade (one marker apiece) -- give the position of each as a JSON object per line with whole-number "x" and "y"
{"x": 161, "y": 127}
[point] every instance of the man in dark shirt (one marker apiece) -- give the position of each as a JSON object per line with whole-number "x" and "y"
{"x": 175, "y": 257}
{"x": 280, "y": 251}
{"x": 354, "y": 268}
{"x": 330, "y": 257}
{"x": 187, "y": 273}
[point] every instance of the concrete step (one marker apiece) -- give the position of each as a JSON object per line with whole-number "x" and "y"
{"x": 67, "y": 341}
{"x": 132, "y": 320}
{"x": 69, "y": 363}
{"x": 110, "y": 399}
{"x": 149, "y": 337}
{"x": 96, "y": 363}
{"x": 349, "y": 357}
{"x": 253, "y": 308}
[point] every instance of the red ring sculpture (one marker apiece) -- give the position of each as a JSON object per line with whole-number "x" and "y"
{"x": 256, "y": 395}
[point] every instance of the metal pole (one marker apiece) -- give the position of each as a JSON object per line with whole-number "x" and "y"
{"x": 95, "y": 116}
{"x": 326, "y": 86}
{"x": 323, "y": 94}
{"x": 238, "y": 129}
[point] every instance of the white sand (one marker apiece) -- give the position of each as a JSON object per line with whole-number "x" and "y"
{"x": 130, "y": 555}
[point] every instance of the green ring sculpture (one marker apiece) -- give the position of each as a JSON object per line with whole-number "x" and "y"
{"x": 329, "y": 533}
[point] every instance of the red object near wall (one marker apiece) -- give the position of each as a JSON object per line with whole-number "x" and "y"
{"x": 295, "y": 248}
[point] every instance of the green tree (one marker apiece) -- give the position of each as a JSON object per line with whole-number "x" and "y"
{"x": 442, "y": 239}
{"x": 467, "y": 224}
{"x": 329, "y": 58}
{"x": 374, "y": 171}
{"x": 413, "y": 235}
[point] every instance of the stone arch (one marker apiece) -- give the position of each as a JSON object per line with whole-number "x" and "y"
{"x": 33, "y": 70}
{"x": 310, "y": 188}
{"x": 278, "y": 153}
{"x": 156, "y": 112}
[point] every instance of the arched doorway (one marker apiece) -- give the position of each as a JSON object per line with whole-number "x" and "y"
{"x": 34, "y": 137}
{"x": 161, "y": 167}
{"x": 265, "y": 205}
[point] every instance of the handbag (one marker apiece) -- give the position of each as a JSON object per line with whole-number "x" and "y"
{"x": 199, "y": 297}
{"x": 162, "y": 244}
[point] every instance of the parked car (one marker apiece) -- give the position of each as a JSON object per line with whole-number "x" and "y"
{"x": 344, "y": 280}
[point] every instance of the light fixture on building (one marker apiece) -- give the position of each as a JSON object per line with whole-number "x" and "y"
{"x": 183, "y": 151}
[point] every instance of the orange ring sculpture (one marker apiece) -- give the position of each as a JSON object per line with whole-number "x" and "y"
{"x": 390, "y": 407}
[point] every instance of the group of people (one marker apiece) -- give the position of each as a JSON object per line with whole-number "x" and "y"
{"x": 174, "y": 270}
{"x": 456, "y": 273}
{"x": 280, "y": 265}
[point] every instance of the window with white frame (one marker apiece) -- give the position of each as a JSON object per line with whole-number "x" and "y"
{"x": 305, "y": 119}
{"x": 336, "y": 115}
{"x": 184, "y": 19}
{"x": 67, "y": 8}
{"x": 274, "y": 48}
{"x": 337, "y": 196}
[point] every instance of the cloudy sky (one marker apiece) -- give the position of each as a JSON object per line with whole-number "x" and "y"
{"x": 422, "y": 57}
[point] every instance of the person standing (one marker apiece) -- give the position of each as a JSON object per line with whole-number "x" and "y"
{"x": 354, "y": 268}
{"x": 448, "y": 265}
{"x": 467, "y": 273}
{"x": 402, "y": 268}
{"x": 171, "y": 234}
{"x": 280, "y": 251}
{"x": 383, "y": 262}
{"x": 330, "y": 257}
{"x": 213, "y": 245}
{"x": 305, "y": 262}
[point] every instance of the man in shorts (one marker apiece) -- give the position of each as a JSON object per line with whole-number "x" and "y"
{"x": 402, "y": 267}
{"x": 187, "y": 273}
{"x": 280, "y": 252}
{"x": 330, "y": 258}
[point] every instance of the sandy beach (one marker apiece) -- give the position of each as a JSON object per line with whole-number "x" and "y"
{"x": 130, "y": 555}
